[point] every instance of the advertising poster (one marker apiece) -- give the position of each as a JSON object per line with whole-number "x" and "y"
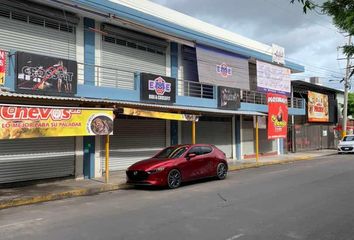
{"x": 272, "y": 78}
{"x": 160, "y": 115}
{"x": 277, "y": 115}
{"x": 158, "y": 89}
{"x": 2, "y": 67}
{"x": 34, "y": 122}
{"x": 317, "y": 107}
{"x": 229, "y": 98}
{"x": 37, "y": 74}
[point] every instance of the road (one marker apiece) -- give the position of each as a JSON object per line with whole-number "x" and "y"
{"x": 304, "y": 200}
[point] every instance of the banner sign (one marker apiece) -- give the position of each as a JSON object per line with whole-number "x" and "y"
{"x": 221, "y": 68}
{"x": 39, "y": 74}
{"x": 271, "y": 78}
{"x": 229, "y": 98}
{"x": 34, "y": 122}
{"x": 158, "y": 89}
{"x": 278, "y": 54}
{"x": 2, "y": 67}
{"x": 317, "y": 107}
{"x": 277, "y": 115}
{"x": 160, "y": 115}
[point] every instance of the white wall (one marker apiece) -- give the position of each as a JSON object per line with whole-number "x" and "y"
{"x": 79, "y": 157}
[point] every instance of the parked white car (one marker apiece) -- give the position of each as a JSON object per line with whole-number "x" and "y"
{"x": 346, "y": 145}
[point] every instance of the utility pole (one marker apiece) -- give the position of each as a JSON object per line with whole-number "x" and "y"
{"x": 346, "y": 89}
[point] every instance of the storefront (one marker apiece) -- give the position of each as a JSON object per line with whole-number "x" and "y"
{"x": 316, "y": 130}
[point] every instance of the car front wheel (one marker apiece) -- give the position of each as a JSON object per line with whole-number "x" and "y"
{"x": 174, "y": 179}
{"x": 221, "y": 171}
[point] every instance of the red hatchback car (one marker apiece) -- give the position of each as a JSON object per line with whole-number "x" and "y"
{"x": 176, "y": 164}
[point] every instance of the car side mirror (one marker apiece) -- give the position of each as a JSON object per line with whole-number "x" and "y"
{"x": 191, "y": 155}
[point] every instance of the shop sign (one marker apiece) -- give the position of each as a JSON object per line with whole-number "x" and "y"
{"x": 277, "y": 115}
{"x": 317, "y": 107}
{"x": 262, "y": 122}
{"x": 159, "y": 89}
{"x": 37, "y": 74}
{"x": 2, "y": 67}
{"x": 159, "y": 115}
{"x": 34, "y": 122}
{"x": 278, "y": 54}
{"x": 229, "y": 98}
{"x": 272, "y": 78}
{"x": 224, "y": 70}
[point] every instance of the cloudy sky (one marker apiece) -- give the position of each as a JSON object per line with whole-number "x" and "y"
{"x": 310, "y": 39}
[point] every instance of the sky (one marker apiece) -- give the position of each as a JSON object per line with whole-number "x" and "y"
{"x": 309, "y": 39}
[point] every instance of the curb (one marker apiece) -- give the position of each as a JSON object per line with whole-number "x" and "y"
{"x": 57, "y": 196}
{"x": 113, "y": 187}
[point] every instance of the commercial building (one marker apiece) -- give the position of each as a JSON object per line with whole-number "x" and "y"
{"x": 99, "y": 56}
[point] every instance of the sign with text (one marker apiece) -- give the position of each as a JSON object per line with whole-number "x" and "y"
{"x": 39, "y": 74}
{"x": 2, "y": 67}
{"x": 159, "y": 89}
{"x": 277, "y": 115}
{"x": 159, "y": 115}
{"x": 272, "y": 78}
{"x": 278, "y": 54}
{"x": 317, "y": 107}
{"x": 229, "y": 98}
{"x": 34, "y": 122}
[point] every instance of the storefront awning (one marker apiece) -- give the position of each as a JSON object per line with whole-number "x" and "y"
{"x": 133, "y": 104}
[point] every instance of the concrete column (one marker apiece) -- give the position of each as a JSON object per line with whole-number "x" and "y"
{"x": 234, "y": 155}
{"x": 79, "y": 158}
{"x": 98, "y": 157}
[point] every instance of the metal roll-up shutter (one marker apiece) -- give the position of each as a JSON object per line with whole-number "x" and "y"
{"x": 218, "y": 133}
{"x": 22, "y": 32}
{"x": 122, "y": 56}
{"x": 135, "y": 140}
{"x": 36, "y": 158}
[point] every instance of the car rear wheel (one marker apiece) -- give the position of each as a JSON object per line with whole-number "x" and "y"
{"x": 221, "y": 171}
{"x": 174, "y": 179}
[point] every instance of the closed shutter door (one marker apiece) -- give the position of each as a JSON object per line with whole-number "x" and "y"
{"x": 135, "y": 140}
{"x": 218, "y": 133}
{"x": 37, "y": 158}
{"x": 37, "y": 36}
{"x": 121, "y": 58}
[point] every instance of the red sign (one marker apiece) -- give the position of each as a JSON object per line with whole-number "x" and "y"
{"x": 2, "y": 67}
{"x": 277, "y": 115}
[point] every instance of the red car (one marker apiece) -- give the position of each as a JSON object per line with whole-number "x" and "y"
{"x": 176, "y": 164}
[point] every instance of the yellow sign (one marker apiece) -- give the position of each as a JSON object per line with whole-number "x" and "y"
{"x": 33, "y": 122}
{"x": 2, "y": 67}
{"x": 317, "y": 107}
{"x": 160, "y": 115}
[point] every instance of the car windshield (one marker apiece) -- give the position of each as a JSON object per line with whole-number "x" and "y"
{"x": 172, "y": 152}
{"x": 348, "y": 138}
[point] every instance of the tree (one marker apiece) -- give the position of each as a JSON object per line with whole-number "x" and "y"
{"x": 351, "y": 104}
{"x": 342, "y": 13}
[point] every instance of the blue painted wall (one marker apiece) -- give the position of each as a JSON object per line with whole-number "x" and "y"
{"x": 89, "y": 51}
{"x": 89, "y": 156}
{"x": 174, "y": 74}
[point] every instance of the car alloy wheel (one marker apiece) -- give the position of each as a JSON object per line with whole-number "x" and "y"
{"x": 221, "y": 171}
{"x": 174, "y": 178}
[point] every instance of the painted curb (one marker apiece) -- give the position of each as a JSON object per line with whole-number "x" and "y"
{"x": 113, "y": 187}
{"x": 57, "y": 196}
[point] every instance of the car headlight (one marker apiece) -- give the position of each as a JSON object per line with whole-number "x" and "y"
{"x": 160, "y": 169}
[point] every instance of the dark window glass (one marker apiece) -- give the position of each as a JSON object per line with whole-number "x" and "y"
{"x": 196, "y": 150}
{"x": 132, "y": 45}
{"x": 206, "y": 150}
{"x": 121, "y": 42}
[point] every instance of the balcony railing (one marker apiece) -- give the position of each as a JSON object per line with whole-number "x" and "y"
{"x": 107, "y": 77}
{"x": 195, "y": 89}
{"x": 116, "y": 78}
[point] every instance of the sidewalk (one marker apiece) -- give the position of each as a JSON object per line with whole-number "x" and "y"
{"x": 42, "y": 192}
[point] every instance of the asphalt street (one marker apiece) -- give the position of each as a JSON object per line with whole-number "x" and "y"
{"x": 302, "y": 200}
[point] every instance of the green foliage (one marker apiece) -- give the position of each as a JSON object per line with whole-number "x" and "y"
{"x": 342, "y": 13}
{"x": 351, "y": 104}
